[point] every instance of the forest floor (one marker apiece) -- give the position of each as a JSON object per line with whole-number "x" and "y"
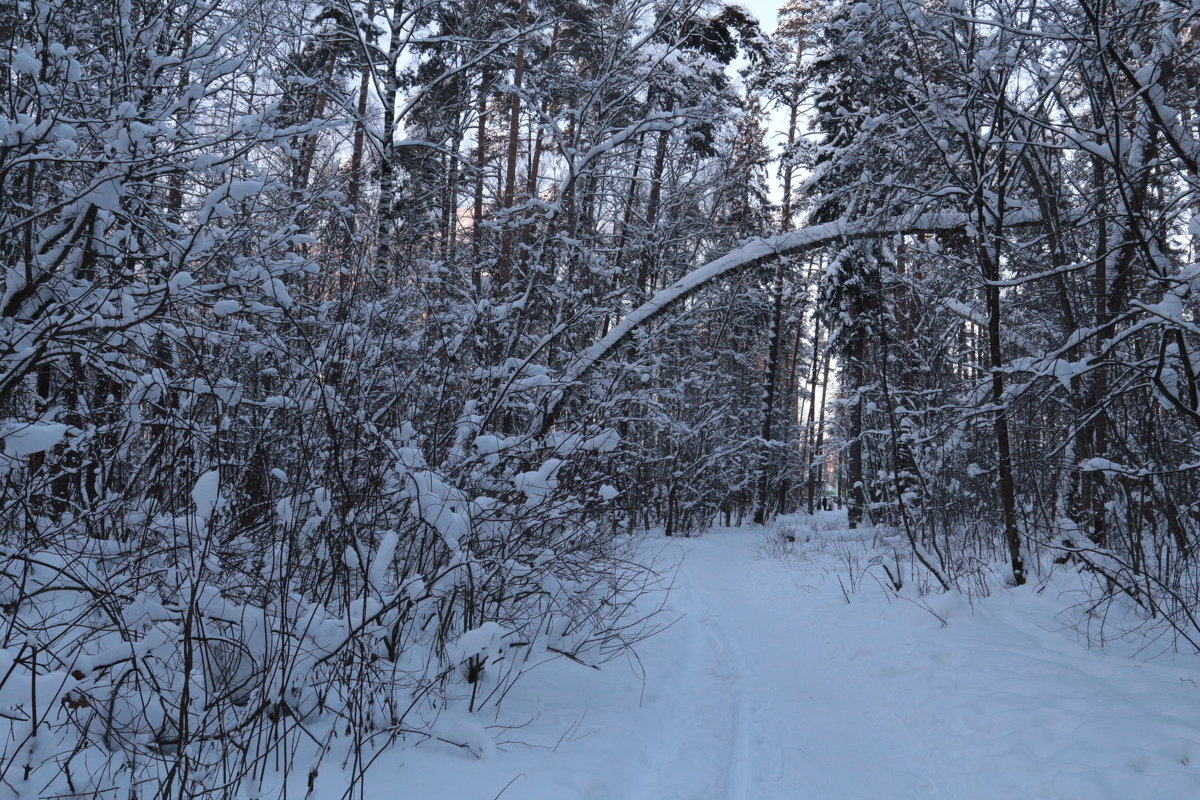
{"x": 795, "y": 672}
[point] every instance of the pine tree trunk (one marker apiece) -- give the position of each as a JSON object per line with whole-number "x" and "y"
{"x": 653, "y": 204}
{"x": 387, "y": 160}
{"x": 816, "y": 477}
{"x": 785, "y": 212}
{"x": 504, "y": 266}
{"x": 768, "y": 404}
{"x": 1008, "y": 490}
{"x": 480, "y": 167}
{"x": 855, "y": 490}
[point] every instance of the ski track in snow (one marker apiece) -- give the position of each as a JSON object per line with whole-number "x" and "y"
{"x": 876, "y": 698}
{"x": 708, "y": 694}
{"x": 814, "y": 735}
{"x": 770, "y": 686}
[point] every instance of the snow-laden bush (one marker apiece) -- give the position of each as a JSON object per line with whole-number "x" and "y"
{"x": 260, "y": 503}
{"x": 189, "y": 652}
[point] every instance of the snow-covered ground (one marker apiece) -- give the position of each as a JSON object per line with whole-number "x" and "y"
{"x": 770, "y": 685}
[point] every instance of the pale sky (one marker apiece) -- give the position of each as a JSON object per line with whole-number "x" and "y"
{"x": 765, "y": 10}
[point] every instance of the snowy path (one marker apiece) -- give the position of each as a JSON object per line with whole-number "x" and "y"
{"x": 772, "y": 687}
{"x": 876, "y": 698}
{"x": 804, "y": 731}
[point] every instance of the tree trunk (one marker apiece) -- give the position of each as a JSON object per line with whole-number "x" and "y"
{"x": 480, "y": 167}
{"x": 1008, "y": 490}
{"x": 785, "y": 212}
{"x": 504, "y": 266}
{"x": 387, "y": 160}
{"x": 768, "y": 404}
{"x": 816, "y": 477}
{"x": 653, "y": 204}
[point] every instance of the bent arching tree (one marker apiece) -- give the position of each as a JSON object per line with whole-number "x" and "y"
{"x": 753, "y": 254}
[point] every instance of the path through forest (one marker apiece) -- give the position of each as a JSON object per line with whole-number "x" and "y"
{"x": 771, "y": 686}
{"x": 796, "y": 726}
